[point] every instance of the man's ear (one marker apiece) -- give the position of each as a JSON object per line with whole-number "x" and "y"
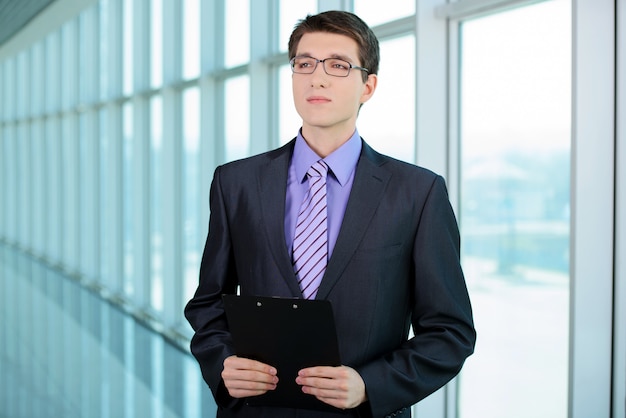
{"x": 369, "y": 87}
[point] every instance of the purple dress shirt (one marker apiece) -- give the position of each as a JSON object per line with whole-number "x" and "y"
{"x": 342, "y": 163}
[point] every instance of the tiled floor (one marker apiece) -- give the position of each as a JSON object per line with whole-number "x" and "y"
{"x": 64, "y": 352}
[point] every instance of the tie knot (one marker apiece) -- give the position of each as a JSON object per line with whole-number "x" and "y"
{"x": 319, "y": 169}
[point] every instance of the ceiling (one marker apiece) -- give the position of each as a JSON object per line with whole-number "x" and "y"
{"x": 15, "y": 14}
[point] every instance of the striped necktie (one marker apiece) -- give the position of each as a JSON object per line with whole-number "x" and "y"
{"x": 310, "y": 244}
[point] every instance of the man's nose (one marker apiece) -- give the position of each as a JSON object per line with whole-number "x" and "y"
{"x": 319, "y": 76}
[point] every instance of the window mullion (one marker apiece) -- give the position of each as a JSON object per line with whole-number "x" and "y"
{"x": 592, "y": 250}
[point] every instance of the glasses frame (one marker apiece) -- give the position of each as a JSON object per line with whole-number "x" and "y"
{"x": 292, "y": 63}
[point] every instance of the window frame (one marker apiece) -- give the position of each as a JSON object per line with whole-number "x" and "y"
{"x": 593, "y": 247}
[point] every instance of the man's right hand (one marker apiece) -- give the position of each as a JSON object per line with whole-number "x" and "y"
{"x": 244, "y": 377}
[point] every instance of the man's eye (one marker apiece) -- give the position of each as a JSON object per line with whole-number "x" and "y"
{"x": 339, "y": 66}
{"x": 304, "y": 64}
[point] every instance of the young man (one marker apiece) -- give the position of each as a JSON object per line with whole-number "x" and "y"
{"x": 386, "y": 254}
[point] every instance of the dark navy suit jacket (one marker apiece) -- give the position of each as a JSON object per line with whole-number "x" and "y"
{"x": 395, "y": 264}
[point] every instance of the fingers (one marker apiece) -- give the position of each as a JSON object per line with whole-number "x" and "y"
{"x": 244, "y": 377}
{"x": 341, "y": 387}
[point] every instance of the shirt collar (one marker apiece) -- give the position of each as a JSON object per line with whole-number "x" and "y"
{"x": 341, "y": 162}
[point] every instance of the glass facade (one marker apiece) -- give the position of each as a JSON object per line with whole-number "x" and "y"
{"x": 515, "y": 208}
{"x": 112, "y": 123}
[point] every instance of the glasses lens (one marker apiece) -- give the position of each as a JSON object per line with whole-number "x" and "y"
{"x": 303, "y": 65}
{"x": 337, "y": 67}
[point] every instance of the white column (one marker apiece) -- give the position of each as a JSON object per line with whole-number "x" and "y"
{"x": 619, "y": 327}
{"x": 592, "y": 250}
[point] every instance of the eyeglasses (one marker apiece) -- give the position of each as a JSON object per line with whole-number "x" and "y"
{"x": 332, "y": 66}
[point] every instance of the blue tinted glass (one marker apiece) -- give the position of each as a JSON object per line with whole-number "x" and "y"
{"x": 237, "y": 117}
{"x": 237, "y": 39}
{"x": 191, "y": 38}
{"x": 515, "y": 176}
{"x": 193, "y": 231}
{"x": 156, "y": 203}
{"x": 393, "y": 102}
{"x": 373, "y": 14}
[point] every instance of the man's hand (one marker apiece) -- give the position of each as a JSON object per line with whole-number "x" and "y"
{"x": 341, "y": 387}
{"x": 244, "y": 377}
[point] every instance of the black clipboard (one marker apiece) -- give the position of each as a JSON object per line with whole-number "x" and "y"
{"x": 289, "y": 334}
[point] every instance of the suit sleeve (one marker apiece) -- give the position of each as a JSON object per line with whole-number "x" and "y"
{"x": 212, "y": 343}
{"x": 441, "y": 318}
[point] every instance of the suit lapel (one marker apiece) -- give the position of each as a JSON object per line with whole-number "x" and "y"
{"x": 272, "y": 183}
{"x": 370, "y": 181}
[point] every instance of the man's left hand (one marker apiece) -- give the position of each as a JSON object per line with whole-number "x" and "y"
{"x": 341, "y": 387}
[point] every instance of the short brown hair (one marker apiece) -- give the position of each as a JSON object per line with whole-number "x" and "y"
{"x": 342, "y": 23}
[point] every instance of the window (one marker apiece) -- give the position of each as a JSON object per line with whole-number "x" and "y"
{"x": 237, "y": 126}
{"x": 156, "y": 200}
{"x": 515, "y": 176}
{"x": 105, "y": 75}
{"x": 128, "y": 60}
{"x": 129, "y": 197}
{"x": 106, "y": 212}
{"x": 156, "y": 43}
{"x": 373, "y": 14}
{"x": 289, "y": 119}
{"x": 191, "y": 39}
{"x": 237, "y": 36}
{"x": 387, "y": 120}
{"x": 192, "y": 232}
{"x": 290, "y": 12}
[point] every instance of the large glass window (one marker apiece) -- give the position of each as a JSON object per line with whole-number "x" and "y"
{"x": 39, "y": 188}
{"x": 106, "y": 211}
{"x": 387, "y": 120}
{"x": 128, "y": 58}
{"x": 237, "y": 37}
{"x": 69, "y": 173}
{"x": 22, "y": 158}
{"x": 85, "y": 56}
{"x": 289, "y": 121}
{"x": 156, "y": 43}
{"x": 53, "y": 182}
{"x": 68, "y": 66}
{"x": 237, "y": 128}
{"x": 52, "y": 78}
{"x": 23, "y": 84}
{"x": 105, "y": 76}
{"x": 290, "y": 12}
{"x": 515, "y": 176}
{"x": 375, "y": 13}
{"x": 37, "y": 81}
{"x": 193, "y": 234}
{"x": 89, "y": 195}
{"x": 156, "y": 203}
{"x": 128, "y": 200}
{"x": 191, "y": 39}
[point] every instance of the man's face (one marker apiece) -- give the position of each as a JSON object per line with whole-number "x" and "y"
{"x": 323, "y": 101}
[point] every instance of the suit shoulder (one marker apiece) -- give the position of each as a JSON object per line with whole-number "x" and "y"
{"x": 406, "y": 169}
{"x": 254, "y": 161}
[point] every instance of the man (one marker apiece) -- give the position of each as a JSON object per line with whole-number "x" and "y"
{"x": 388, "y": 253}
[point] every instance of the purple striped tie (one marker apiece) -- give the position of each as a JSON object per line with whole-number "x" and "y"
{"x": 310, "y": 244}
